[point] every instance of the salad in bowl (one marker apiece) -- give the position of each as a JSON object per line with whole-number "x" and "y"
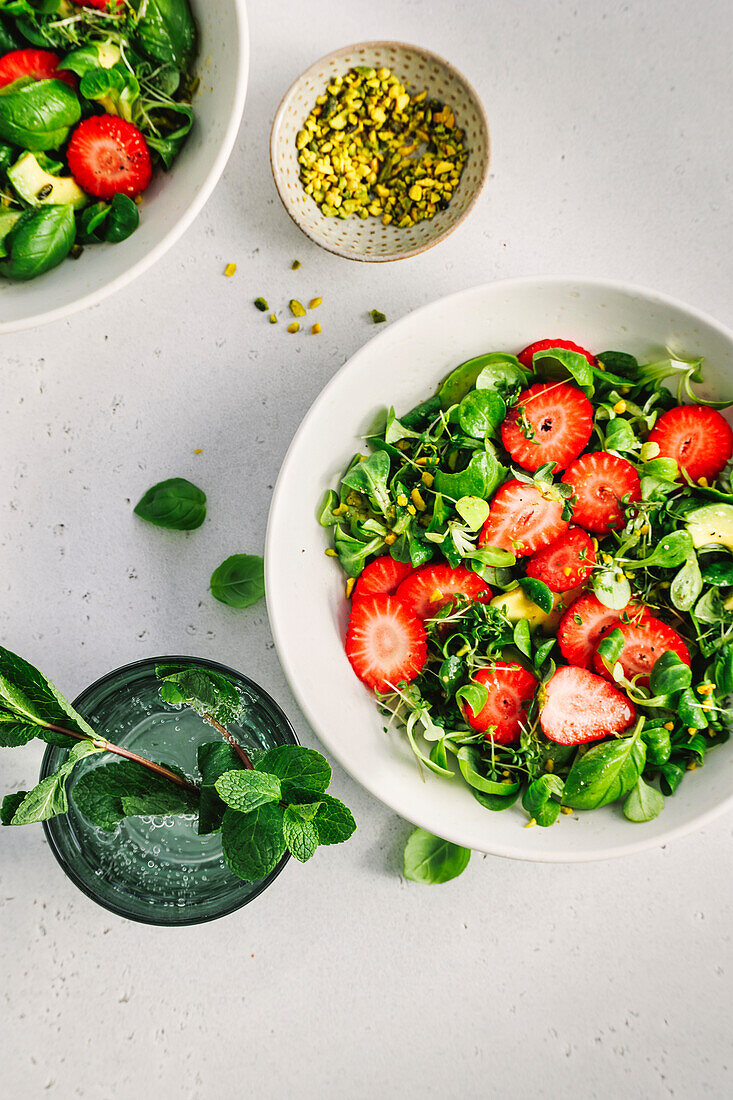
{"x": 538, "y": 561}
{"x": 95, "y": 97}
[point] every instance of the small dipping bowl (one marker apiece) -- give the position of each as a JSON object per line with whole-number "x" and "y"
{"x": 158, "y": 870}
{"x": 368, "y": 240}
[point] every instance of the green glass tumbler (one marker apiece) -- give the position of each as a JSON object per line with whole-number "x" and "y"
{"x": 158, "y": 870}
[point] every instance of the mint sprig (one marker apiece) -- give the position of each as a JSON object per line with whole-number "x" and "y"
{"x": 264, "y": 806}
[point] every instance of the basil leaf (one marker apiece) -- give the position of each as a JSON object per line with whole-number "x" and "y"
{"x": 672, "y": 550}
{"x": 484, "y": 372}
{"x": 539, "y": 593}
{"x": 562, "y": 363}
{"x": 611, "y": 647}
{"x": 239, "y": 581}
{"x": 643, "y": 803}
{"x": 658, "y": 744}
{"x": 39, "y": 241}
{"x": 370, "y": 477}
{"x": 619, "y": 436}
{"x": 619, "y": 362}
{"x": 540, "y": 799}
{"x": 724, "y": 669}
{"x": 37, "y": 114}
{"x": 123, "y": 219}
{"x": 480, "y": 413}
{"x": 670, "y": 777}
{"x": 718, "y": 573}
{"x": 430, "y": 860}
{"x": 167, "y": 31}
{"x": 175, "y": 504}
{"x": 498, "y": 802}
{"x": 604, "y": 773}
{"x": 353, "y": 552}
{"x": 480, "y": 478}
{"x": 522, "y": 638}
{"x": 473, "y": 695}
{"x": 690, "y": 712}
{"x": 473, "y": 511}
{"x": 253, "y": 843}
{"x": 469, "y": 761}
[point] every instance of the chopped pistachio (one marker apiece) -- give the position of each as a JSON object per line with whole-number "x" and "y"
{"x": 230, "y": 270}
{"x": 314, "y": 303}
{"x": 377, "y": 317}
{"x": 316, "y": 330}
{"x": 261, "y": 305}
{"x": 295, "y": 265}
{"x": 295, "y": 327}
{"x": 296, "y": 308}
{"x": 272, "y": 319}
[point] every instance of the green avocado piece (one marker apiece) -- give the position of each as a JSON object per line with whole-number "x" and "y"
{"x": 39, "y": 188}
{"x": 8, "y": 218}
{"x": 711, "y": 525}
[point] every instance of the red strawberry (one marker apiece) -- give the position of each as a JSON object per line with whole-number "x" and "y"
{"x": 525, "y": 357}
{"x": 644, "y": 642}
{"x": 40, "y": 64}
{"x": 584, "y": 624}
{"x": 385, "y": 644}
{"x": 511, "y": 689}
{"x": 522, "y": 520}
{"x": 551, "y": 422}
{"x": 579, "y": 706}
{"x": 700, "y": 440}
{"x": 109, "y": 156}
{"x": 601, "y": 481}
{"x": 565, "y": 563}
{"x": 100, "y": 5}
{"x": 381, "y": 577}
{"x": 431, "y": 587}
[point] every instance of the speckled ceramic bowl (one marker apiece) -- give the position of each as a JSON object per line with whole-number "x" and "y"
{"x": 354, "y": 238}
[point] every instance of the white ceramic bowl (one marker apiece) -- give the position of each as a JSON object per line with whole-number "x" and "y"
{"x": 368, "y": 240}
{"x": 174, "y": 198}
{"x": 305, "y": 591}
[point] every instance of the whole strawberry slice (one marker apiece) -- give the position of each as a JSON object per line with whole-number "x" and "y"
{"x": 551, "y": 422}
{"x": 109, "y": 156}
{"x": 644, "y": 643}
{"x": 579, "y": 706}
{"x": 511, "y": 689}
{"x": 522, "y": 520}
{"x": 385, "y": 644}
{"x": 429, "y": 588}
{"x": 525, "y": 357}
{"x": 100, "y": 5}
{"x": 39, "y": 64}
{"x": 602, "y": 483}
{"x": 565, "y": 563}
{"x": 700, "y": 440}
{"x": 383, "y": 575}
{"x": 584, "y": 624}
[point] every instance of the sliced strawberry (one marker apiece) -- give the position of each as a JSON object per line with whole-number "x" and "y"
{"x": 522, "y": 520}
{"x": 551, "y": 422}
{"x": 109, "y": 156}
{"x": 700, "y": 440}
{"x": 432, "y": 586}
{"x": 40, "y": 64}
{"x": 382, "y": 576}
{"x": 579, "y": 706}
{"x": 601, "y": 482}
{"x": 525, "y": 357}
{"x": 644, "y": 643}
{"x": 385, "y": 644}
{"x": 511, "y": 689}
{"x": 565, "y": 563}
{"x": 100, "y": 5}
{"x": 584, "y": 624}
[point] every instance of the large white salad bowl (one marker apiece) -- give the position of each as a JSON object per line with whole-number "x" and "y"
{"x": 305, "y": 589}
{"x": 173, "y": 199}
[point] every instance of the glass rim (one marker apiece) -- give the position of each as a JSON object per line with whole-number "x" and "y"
{"x": 47, "y": 825}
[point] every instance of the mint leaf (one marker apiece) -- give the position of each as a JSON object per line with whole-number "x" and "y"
{"x": 15, "y": 731}
{"x": 176, "y": 504}
{"x": 239, "y": 581}
{"x": 246, "y": 790}
{"x": 253, "y": 843}
{"x": 10, "y": 805}
{"x": 297, "y": 767}
{"x": 301, "y": 836}
{"x": 431, "y": 861}
{"x": 305, "y": 811}
{"x": 214, "y": 758}
{"x": 334, "y": 821}
{"x": 202, "y": 689}
{"x": 27, "y": 695}
{"x": 49, "y": 798}
{"x": 107, "y": 794}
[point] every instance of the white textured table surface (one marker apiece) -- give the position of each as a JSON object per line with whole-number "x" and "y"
{"x": 610, "y": 123}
